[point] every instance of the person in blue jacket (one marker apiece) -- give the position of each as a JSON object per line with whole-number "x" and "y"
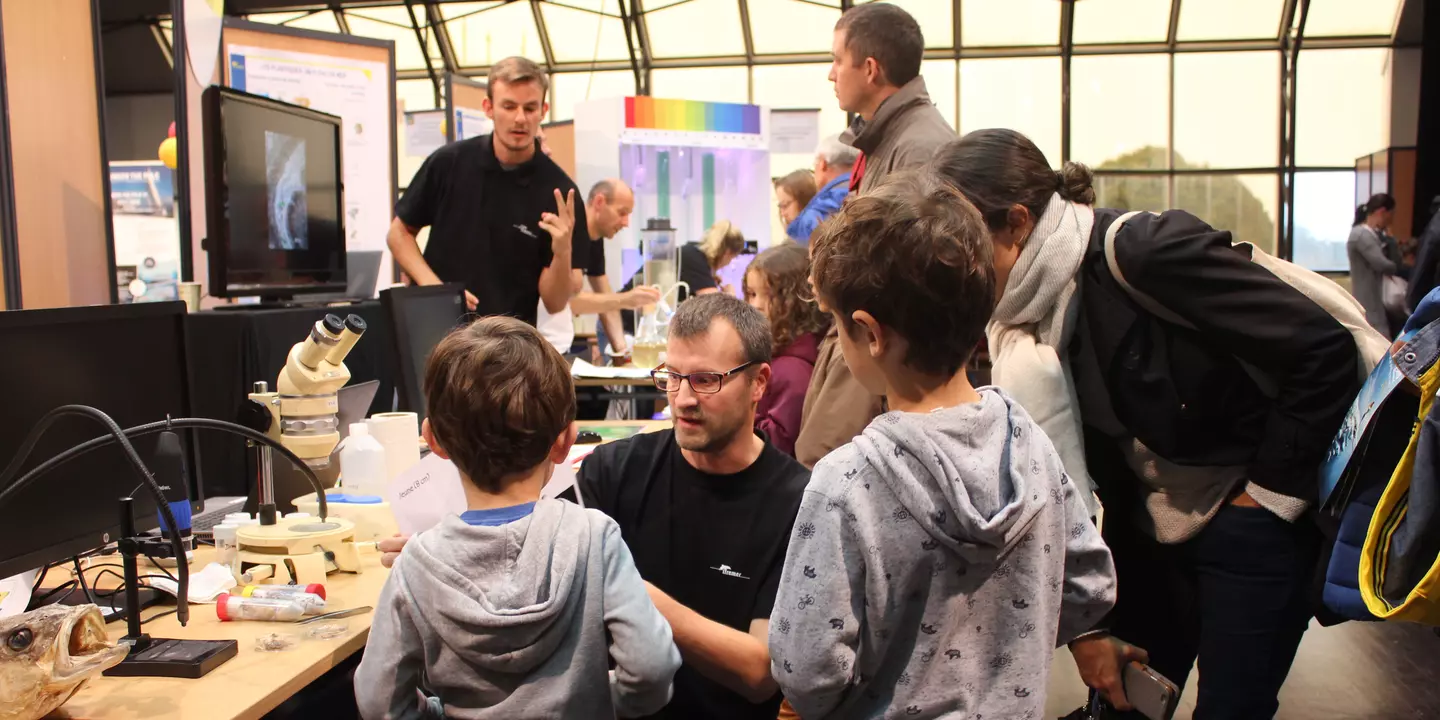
{"x": 833, "y": 162}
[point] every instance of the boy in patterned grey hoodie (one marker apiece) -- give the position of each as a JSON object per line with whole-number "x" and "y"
{"x": 938, "y": 559}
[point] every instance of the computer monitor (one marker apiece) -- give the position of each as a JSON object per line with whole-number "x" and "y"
{"x": 275, "y": 215}
{"x": 420, "y": 318}
{"x": 125, "y": 360}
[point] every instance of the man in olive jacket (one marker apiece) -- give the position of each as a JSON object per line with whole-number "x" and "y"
{"x": 876, "y": 71}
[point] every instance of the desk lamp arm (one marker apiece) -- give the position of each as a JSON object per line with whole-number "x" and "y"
{"x": 150, "y": 429}
{"x": 182, "y": 608}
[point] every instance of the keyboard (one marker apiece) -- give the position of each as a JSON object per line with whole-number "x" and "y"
{"x": 214, "y": 512}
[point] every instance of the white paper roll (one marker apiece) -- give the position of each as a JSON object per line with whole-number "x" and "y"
{"x": 399, "y": 434}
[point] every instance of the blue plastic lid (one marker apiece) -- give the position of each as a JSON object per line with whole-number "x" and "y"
{"x": 354, "y": 499}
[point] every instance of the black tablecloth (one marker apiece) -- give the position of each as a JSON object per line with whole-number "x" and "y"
{"x": 231, "y": 349}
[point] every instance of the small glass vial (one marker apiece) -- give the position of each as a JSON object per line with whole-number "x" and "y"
{"x": 311, "y": 597}
{"x": 235, "y": 607}
{"x": 227, "y": 548}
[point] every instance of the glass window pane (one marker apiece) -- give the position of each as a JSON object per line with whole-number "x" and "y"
{"x": 936, "y": 19}
{"x": 484, "y": 33}
{"x": 985, "y": 23}
{"x": 278, "y": 18}
{"x": 393, "y": 23}
{"x": 940, "y": 83}
{"x": 1229, "y": 19}
{"x": 1226, "y": 112}
{"x": 1243, "y": 204}
{"x": 800, "y": 86}
{"x": 791, "y": 26}
{"x": 1136, "y": 138}
{"x": 1341, "y": 105}
{"x": 1323, "y": 213}
{"x": 1351, "y": 17}
{"x": 719, "y": 84}
{"x": 585, "y": 35}
{"x": 324, "y": 21}
{"x": 571, "y": 89}
{"x": 416, "y": 94}
{"x": 988, "y": 99}
{"x": 1121, "y": 21}
{"x": 672, "y": 29}
{"x": 1133, "y": 192}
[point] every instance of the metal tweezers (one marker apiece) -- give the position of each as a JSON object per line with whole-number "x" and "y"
{"x": 335, "y": 615}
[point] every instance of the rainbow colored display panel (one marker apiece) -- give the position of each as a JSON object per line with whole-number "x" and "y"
{"x": 648, "y": 113}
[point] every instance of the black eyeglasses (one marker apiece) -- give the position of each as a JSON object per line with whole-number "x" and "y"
{"x": 704, "y": 383}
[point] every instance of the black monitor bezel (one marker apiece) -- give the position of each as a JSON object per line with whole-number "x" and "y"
{"x": 89, "y": 540}
{"x": 408, "y": 388}
{"x": 217, "y": 193}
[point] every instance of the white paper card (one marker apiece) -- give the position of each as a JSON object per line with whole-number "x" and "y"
{"x": 15, "y": 593}
{"x": 582, "y": 369}
{"x": 425, "y": 494}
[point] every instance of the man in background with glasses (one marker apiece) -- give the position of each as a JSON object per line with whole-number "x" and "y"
{"x": 707, "y": 509}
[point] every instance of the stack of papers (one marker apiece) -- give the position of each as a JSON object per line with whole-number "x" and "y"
{"x": 582, "y": 369}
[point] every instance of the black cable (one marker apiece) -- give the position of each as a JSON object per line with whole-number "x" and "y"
{"x": 159, "y": 615}
{"x": 135, "y": 462}
{"x": 150, "y": 429}
{"x": 80, "y": 577}
{"x": 69, "y": 585}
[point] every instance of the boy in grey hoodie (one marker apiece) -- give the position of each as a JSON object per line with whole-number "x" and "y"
{"x": 940, "y": 558}
{"x": 503, "y": 611}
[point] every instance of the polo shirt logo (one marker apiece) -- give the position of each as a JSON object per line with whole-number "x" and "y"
{"x": 528, "y": 232}
{"x": 729, "y": 572}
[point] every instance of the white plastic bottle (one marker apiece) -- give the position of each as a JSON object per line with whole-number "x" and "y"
{"x": 362, "y": 462}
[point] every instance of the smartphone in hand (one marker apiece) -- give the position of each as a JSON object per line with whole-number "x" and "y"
{"x": 1152, "y": 694}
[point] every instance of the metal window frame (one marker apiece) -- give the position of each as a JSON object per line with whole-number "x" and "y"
{"x": 1288, "y": 40}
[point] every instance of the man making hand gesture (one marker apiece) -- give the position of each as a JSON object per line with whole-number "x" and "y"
{"x": 489, "y": 202}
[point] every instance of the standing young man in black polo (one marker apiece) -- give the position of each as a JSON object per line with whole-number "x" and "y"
{"x": 503, "y": 217}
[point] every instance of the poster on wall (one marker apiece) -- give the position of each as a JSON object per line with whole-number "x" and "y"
{"x": 471, "y": 123}
{"x": 424, "y": 132}
{"x": 147, "y": 233}
{"x": 357, "y": 91}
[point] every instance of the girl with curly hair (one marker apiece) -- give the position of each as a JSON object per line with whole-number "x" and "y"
{"x": 776, "y": 285}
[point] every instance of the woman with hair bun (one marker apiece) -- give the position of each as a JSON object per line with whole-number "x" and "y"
{"x": 1149, "y": 393}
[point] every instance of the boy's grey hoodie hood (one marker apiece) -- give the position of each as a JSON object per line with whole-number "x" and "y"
{"x": 965, "y": 474}
{"x": 954, "y": 542}
{"x": 511, "y": 622}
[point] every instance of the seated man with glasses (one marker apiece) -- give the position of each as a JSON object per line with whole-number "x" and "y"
{"x": 707, "y": 509}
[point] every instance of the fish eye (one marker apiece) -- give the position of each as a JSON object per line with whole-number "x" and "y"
{"x": 20, "y": 639}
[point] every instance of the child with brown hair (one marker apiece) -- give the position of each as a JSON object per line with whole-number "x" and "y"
{"x": 503, "y": 611}
{"x": 940, "y": 557}
{"x": 777, "y": 284}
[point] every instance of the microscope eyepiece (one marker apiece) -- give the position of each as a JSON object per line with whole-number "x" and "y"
{"x": 333, "y": 325}
{"x": 355, "y": 324}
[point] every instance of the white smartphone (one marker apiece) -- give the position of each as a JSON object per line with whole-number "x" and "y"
{"x": 1152, "y": 694}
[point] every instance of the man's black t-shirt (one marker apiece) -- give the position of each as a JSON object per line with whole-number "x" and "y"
{"x": 484, "y": 223}
{"x": 715, "y": 543}
{"x": 593, "y": 260}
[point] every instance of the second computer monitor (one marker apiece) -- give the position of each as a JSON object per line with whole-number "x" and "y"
{"x": 125, "y": 360}
{"x": 420, "y": 318}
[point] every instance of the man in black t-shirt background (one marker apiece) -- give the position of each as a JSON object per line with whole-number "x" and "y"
{"x": 504, "y": 218}
{"x": 706, "y": 509}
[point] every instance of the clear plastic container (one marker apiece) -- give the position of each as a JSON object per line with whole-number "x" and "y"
{"x": 310, "y": 597}
{"x": 227, "y": 547}
{"x": 235, "y": 607}
{"x": 362, "y": 462}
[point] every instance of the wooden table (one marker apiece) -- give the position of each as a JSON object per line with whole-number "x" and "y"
{"x": 253, "y": 682}
{"x": 248, "y": 685}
